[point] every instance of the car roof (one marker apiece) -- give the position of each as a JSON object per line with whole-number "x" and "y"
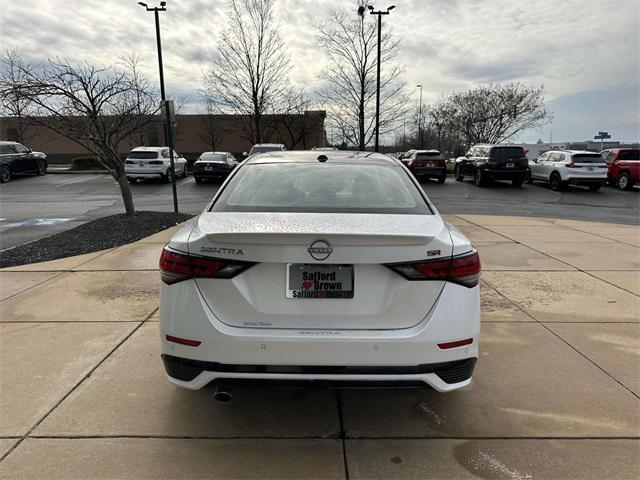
{"x": 573, "y": 152}
{"x": 311, "y": 156}
{"x": 431, "y": 150}
{"x": 268, "y": 145}
{"x": 217, "y": 153}
{"x": 8, "y": 142}
{"x": 148, "y": 149}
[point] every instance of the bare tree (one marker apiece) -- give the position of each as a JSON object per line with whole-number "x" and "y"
{"x": 351, "y": 43}
{"x": 96, "y": 108}
{"x": 212, "y": 129}
{"x": 249, "y": 77}
{"x": 12, "y": 103}
{"x": 494, "y": 113}
{"x": 293, "y": 125}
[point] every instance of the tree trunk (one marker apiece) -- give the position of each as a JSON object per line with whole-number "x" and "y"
{"x": 127, "y": 198}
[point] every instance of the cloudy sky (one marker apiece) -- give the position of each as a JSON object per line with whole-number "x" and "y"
{"x": 585, "y": 52}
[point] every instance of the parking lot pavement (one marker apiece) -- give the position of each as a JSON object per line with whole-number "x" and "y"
{"x": 36, "y": 207}
{"x": 556, "y": 393}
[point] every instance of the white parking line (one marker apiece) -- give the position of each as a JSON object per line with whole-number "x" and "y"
{"x": 185, "y": 180}
{"x": 83, "y": 178}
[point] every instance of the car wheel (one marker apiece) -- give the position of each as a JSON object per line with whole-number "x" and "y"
{"x": 517, "y": 182}
{"x": 442, "y": 179}
{"x": 5, "y": 174}
{"x": 594, "y": 188}
{"x": 458, "y": 176}
{"x": 168, "y": 176}
{"x": 197, "y": 179}
{"x": 529, "y": 177}
{"x": 478, "y": 178}
{"x": 41, "y": 168}
{"x": 624, "y": 181}
{"x": 556, "y": 182}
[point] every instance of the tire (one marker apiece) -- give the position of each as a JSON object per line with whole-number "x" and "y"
{"x": 594, "y": 188}
{"x": 624, "y": 181}
{"x": 478, "y": 178}
{"x": 168, "y": 176}
{"x": 517, "y": 182}
{"x": 457, "y": 175}
{"x": 529, "y": 177}
{"x": 5, "y": 174}
{"x": 442, "y": 179}
{"x": 198, "y": 179}
{"x": 556, "y": 182}
{"x": 41, "y": 168}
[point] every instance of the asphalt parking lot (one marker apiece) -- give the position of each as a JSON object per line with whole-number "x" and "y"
{"x": 36, "y": 207}
{"x": 555, "y": 395}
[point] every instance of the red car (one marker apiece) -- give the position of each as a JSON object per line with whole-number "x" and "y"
{"x": 624, "y": 166}
{"x": 426, "y": 164}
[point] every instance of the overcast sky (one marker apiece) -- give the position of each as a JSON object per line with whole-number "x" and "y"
{"x": 585, "y": 52}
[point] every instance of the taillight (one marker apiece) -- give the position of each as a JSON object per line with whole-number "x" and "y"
{"x": 570, "y": 165}
{"x": 176, "y": 267}
{"x": 463, "y": 270}
{"x": 492, "y": 164}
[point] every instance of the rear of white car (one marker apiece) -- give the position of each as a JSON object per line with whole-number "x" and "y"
{"x": 316, "y": 269}
{"x": 570, "y": 167}
{"x": 143, "y": 163}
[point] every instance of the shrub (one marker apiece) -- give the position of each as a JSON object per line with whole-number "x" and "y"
{"x": 87, "y": 163}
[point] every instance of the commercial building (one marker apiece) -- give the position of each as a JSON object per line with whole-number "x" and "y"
{"x": 194, "y": 134}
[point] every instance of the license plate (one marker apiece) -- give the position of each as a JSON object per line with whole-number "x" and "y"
{"x": 510, "y": 165}
{"x": 208, "y": 168}
{"x": 431, "y": 164}
{"x": 310, "y": 280}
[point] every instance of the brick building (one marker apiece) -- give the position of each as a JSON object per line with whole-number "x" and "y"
{"x": 193, "y": 134}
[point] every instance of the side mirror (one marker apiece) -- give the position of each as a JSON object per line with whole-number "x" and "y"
{"x": 245, "y": 153}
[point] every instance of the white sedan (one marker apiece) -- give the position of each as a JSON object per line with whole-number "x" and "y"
{"x": 330, "y": 267}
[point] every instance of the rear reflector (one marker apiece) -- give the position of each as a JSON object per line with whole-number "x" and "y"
{"x": 458, "y": 343}
{"x": 463, "y": 269}
{"x": 183, "y": 341}
{"x": 176, "y": 267}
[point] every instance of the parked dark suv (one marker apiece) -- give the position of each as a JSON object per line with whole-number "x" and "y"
{"x": 483, "y": 163}
{"x": 15, "y": 158}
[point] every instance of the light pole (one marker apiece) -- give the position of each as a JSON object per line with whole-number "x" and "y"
{"x": 168, "y": 130}
{"x": 379, "y": 13}
{"x": 420, "y": 116}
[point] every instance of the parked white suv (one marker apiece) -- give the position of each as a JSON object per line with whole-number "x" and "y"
{"x": 144, "y": 163}
{"x": 569, "y": 167}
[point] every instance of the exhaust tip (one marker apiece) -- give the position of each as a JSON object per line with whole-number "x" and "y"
{"x": 223, "y": 394}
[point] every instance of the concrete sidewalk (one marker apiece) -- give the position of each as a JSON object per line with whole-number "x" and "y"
{"x": 556, "y": 393}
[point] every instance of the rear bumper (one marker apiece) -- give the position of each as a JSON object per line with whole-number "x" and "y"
{"x": 446, "y": 376}
{"x": 155, "y": 172}
{"x": 586, "y": 181}
{"x": 428, "y": 171}
{"x": 271, "y": 354}
{"x": 505, "y": 174}
{"x": 210, "y": 173}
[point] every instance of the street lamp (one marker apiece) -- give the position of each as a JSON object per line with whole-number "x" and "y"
{"x": 420, "y": 116}
{"x": 168, "y": 131}
{"x": 379, "y": 13}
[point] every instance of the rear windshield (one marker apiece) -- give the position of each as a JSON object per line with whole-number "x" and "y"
{"x": 588, "y": 158}
{"x": 629, "y": 155}
{"x": 213, "y": 157}
{"x": 143, "y": 154}
{"x": 265, "y": 148}
{"x": 506, "y": 153}
{"x": 321, "y": 188}
{"x": 427, "y": 154}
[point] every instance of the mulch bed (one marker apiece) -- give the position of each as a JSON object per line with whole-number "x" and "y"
{"x": 107, "y": 232}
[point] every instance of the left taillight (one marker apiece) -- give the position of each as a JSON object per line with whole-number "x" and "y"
{"x": 176, "y": 267}
{"x": 463, "y": 269}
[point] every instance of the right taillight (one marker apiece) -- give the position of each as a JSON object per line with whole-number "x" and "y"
{"x": 176, "y": 267}
{"x": 463, "y": 269}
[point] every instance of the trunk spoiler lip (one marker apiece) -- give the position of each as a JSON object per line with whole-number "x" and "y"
{"x": 339, "y": 229}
